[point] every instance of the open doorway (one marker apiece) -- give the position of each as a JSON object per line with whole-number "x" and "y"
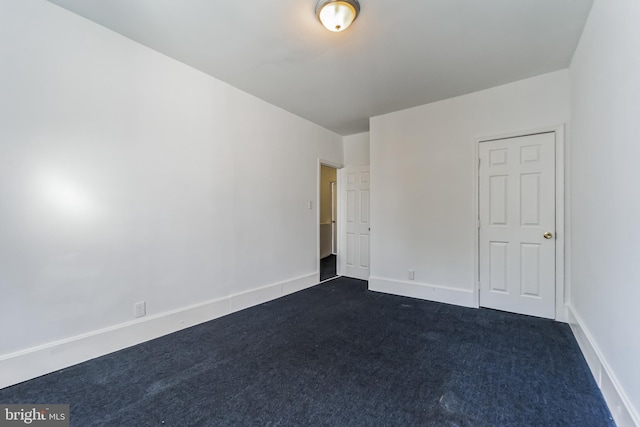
{"x": 328, "y": 222}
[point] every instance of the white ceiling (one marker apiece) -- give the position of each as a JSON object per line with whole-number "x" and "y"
{"x": 396, "y": 55}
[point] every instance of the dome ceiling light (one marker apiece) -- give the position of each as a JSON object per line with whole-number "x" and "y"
{"x": 337, "y": 15}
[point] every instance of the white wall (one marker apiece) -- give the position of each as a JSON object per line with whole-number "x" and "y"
{"x": 356, "y": 149}
{"x": 605, "y": 286}
{"x": 422, "y": 173}
{"x": 127, "y": 176}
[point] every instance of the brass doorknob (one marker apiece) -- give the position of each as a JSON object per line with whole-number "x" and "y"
{"x": 547, "y": 235}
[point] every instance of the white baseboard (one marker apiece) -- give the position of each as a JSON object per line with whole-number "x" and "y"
{"x": 36, "y": 361}
{"x": 465, "y": 298}
{"x": 623, "y": 412}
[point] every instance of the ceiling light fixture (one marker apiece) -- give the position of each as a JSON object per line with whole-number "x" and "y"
{"x": 337, "y": 15}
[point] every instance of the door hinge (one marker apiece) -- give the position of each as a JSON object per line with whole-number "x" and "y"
{"x": 478, "y": 224}
{"x": 479, "y": 162}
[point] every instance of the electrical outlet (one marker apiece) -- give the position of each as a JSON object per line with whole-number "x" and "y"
{"x": 411, "y": 274}
{"x": 140, "y": 309}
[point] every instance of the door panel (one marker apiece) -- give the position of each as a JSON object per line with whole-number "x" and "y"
{"x": 356, "y": 196}
{"x": 364, "y": 207}
{"x": 498, "y": 195}
{"x": 530, "y": 205}
{"x": 517, "y": 206}
{"x": 364, "y": 251}
{"x": 351, "y": 249}
{"x": 351, "y": 206}
{"x": 498, "y": 266}
{"x": 530, "y": 269}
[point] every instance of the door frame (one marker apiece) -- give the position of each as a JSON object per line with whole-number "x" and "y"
{"x": 338, "y": 167}
{"x": 561, "y": 299}
{"x": 334, "y": 217}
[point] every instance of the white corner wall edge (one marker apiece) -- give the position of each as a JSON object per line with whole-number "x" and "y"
{"x": 623, "y": 412}
{"x": 40, "y": 360}
{"x": 424, "y": 291}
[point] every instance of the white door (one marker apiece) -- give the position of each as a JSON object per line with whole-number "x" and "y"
{"x": 356, "y": 222}
{"x": 517, "y": 224}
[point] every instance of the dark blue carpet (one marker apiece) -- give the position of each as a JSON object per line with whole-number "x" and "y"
{"x": 337, "y": 355}
{"x": 328, "y": 268}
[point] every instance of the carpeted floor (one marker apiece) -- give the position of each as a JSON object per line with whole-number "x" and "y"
{"x": 328, "y": 268}
{"x": 337, "y": 355}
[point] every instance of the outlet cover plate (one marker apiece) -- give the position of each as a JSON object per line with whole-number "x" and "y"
{"x": 140, "y": 309}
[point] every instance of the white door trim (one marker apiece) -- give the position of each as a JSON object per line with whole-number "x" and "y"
{"x": 559, "y": 130}
{"x": 337, "y": 166}
{"x": 342, "y": 218}
{"x": 334, "y": 216}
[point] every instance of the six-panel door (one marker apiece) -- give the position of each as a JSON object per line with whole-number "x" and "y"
{"x": 517, "y": 208}
{"x": 356, "y": 197}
